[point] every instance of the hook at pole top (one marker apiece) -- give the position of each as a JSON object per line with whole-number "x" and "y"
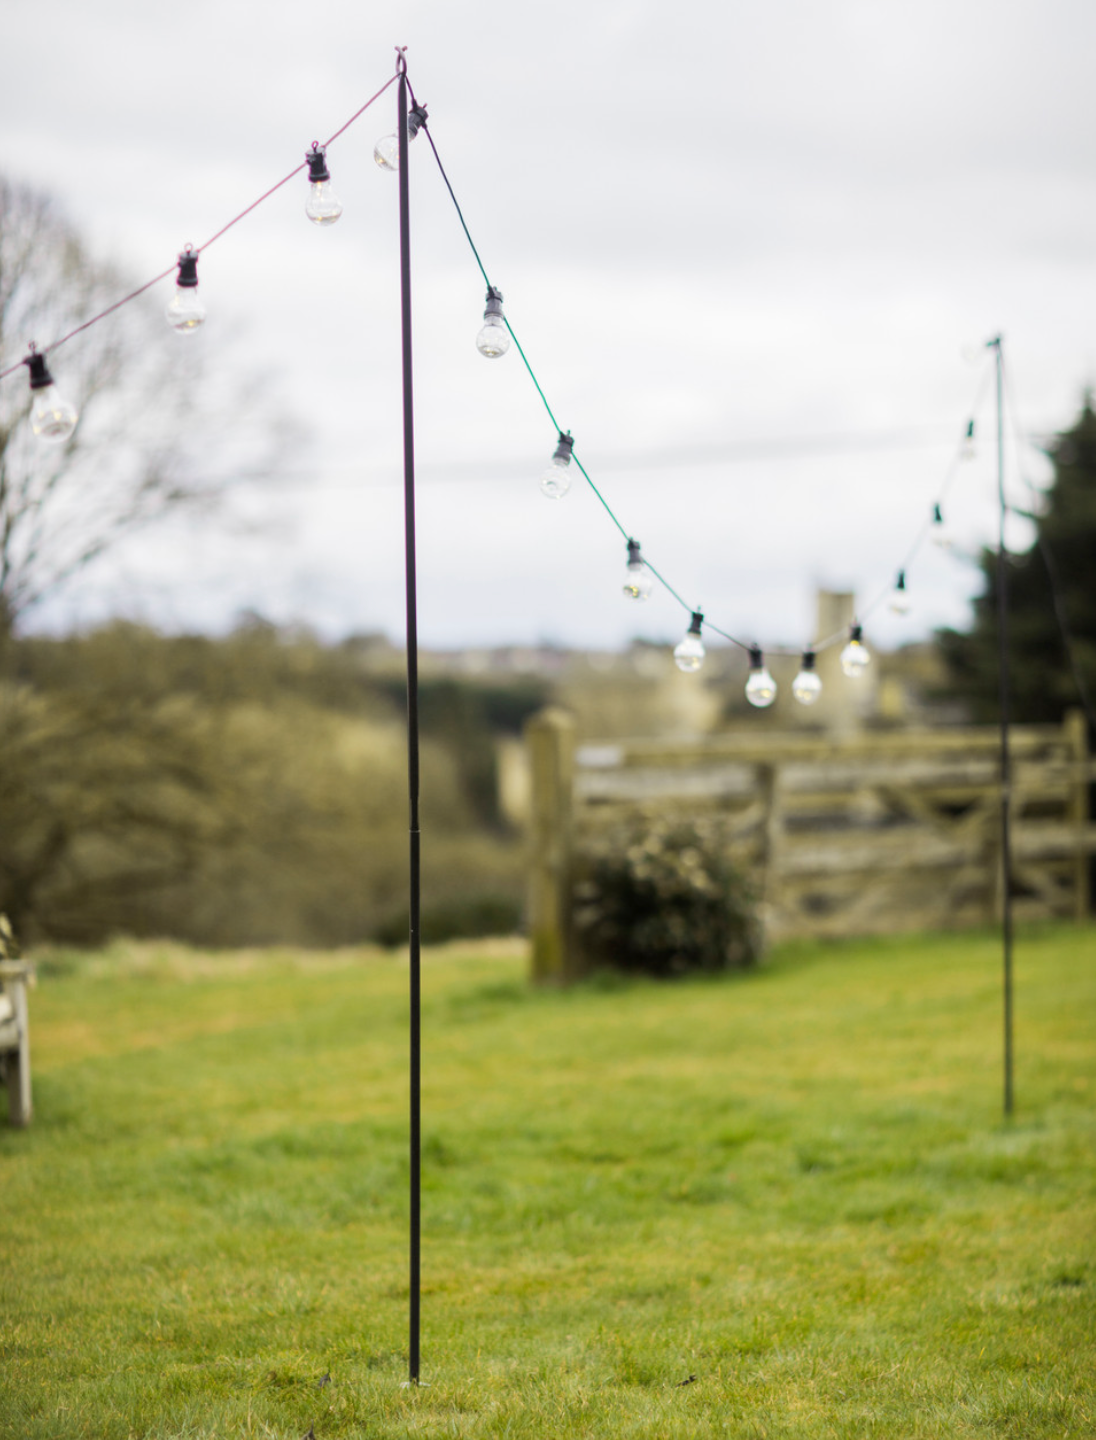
{"x": 401, "y": 59}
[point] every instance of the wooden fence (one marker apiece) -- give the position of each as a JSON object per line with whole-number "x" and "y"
{"x": 841, "y": 835}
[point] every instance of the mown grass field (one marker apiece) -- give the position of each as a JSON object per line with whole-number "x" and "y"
{"x": 792, "y": 1189}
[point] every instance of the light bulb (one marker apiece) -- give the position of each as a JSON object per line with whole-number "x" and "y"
{"x": 856, "y": 657}
{"x": 689, "y": 652}
{"x": 323, "y": 206}
{"x": 760, "y": 687}
{"x": 555, "y": 481}
{"x": 52, "y": 418}
{"x": 386, "y": 152}
{"x": 806, "y": 687}
{"x": 185, "y": 312}
{"x": 900, "y": 600}
{"x": 940, "y": 534}
{"x": 494, "y": 339}
{"x": 637, "y": 578}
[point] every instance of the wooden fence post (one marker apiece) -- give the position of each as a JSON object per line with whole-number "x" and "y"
{"x": 767, "y": 779}
{"x": 1075, "y": 726}
{"x": 550, "y": 737}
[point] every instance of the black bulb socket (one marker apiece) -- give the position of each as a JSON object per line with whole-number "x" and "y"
{"x": 808, "y": 659}
{"x": 937, "y": 515}
{"x": 494, "y": 303}
{"x": 40, "y": 377}
{"x": 188, "y": 270}
{"x": 900, "y": 583}
{"x": 564, "y": 448}
{"x": 634, "y": 555}
{"x": 696, "y": 622}
{"x": 416, "y": 119}
{"x": 317, "y": 166}
{"x": 856, "y": 634}
{"x": 757, "y": 660}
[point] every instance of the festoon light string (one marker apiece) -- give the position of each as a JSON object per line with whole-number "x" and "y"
{"x": 761, "y": 689}
{"x": 54, "y": 418}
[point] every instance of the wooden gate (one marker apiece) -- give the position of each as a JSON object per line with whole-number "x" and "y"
{"x": 842, "y": 835}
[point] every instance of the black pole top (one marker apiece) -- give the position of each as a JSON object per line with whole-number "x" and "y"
{"x": 564, "y": 448}
{"x": 317, "y": 165}
{"x": 39, "y": 374}
{"x": 757, "y": 660}
{"x": 188, "y": 270}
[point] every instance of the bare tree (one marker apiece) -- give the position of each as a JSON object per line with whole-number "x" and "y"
{"x": 158, "y": 429}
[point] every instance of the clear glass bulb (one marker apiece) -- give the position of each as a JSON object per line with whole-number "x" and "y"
{"x": 689, "y": 652}
{"x": 855, "y": 658}
{"x": 323, "y": 206}
{"x": 494, "y": 339}
{"x": 555, "y": 481}
{"x": 760, "y": 688}
{"x": 899, "y": 599}
{"x": 806, "y": 687}
{"x": 52, "y": 418}
{"x": 386, "y": 152}
{"x": 185, "y": 312}
{"x": 637, "y": 581}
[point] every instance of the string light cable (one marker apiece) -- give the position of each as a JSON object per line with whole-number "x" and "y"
{"x": 185, "y": 313}
{"x": 195, "y": 251}
{"x": 851, "y": 636}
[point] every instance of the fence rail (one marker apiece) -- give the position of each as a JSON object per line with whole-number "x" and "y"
{"x": 841, "y": 835}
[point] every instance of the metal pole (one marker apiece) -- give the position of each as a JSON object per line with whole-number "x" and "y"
{"x": 1006, "y": 764}
{"x": 412, "y": 735}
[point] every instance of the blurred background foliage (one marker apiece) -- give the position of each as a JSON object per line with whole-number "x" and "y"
{"x": 243, "y": 790}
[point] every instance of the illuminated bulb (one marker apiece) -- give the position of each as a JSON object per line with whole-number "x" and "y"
{"x": 52, "y": 418}
{"x": 494, "y": 339}
{"x": 806, "y": 687}
{"x": 386, "y": 152}
{"x": 900, "y": 600}
{"x": 939, "y": 533}
{"x": 323, "y": 206}
{"x": 185, "y": 312}
{"x": 689, "y": 652}
{"x": 760, "y": 687}
{"x": 555, "y": 481}
{"x": 637, "y": 578}
{"x": 966, "y": 450}
{"x": 856, "y": 657}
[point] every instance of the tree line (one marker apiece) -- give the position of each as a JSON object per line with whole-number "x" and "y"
{"x": 244, "y": 790}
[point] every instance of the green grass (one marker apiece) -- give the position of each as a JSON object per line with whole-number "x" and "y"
{"x": 794, "y": 1185}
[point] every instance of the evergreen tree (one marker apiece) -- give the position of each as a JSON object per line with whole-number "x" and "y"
{"x": 1052, "y": 583}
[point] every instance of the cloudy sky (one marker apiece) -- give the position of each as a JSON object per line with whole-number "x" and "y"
{"x": 749, "y": 251}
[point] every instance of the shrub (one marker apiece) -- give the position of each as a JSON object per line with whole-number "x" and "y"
{"x": 658, "y": 896}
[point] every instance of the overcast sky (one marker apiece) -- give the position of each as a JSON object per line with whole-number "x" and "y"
{"x": 744, "y": 247}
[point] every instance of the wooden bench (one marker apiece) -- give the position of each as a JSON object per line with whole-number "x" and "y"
{"x": 15, "y": 978}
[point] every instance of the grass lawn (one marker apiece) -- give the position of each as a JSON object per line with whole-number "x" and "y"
{"x": 792, "y": 1189}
